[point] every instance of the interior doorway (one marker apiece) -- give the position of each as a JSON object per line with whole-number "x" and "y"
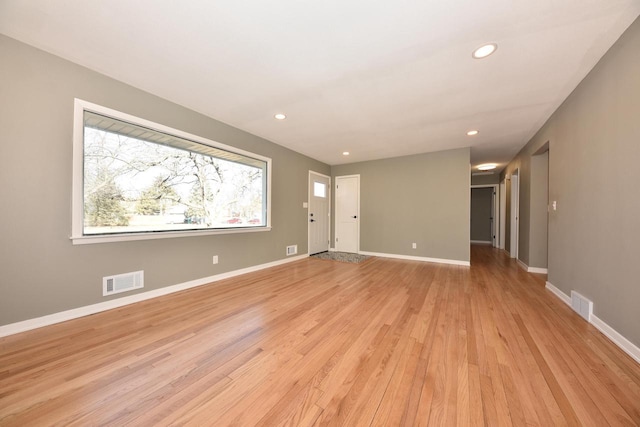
{"x": 484, "y": 215}
{"x": 319, "y": 224}
{"x": 348, "y": 213}
{"x": 539, "y": 210}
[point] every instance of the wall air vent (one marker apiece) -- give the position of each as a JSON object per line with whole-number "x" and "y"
{"x": 122, "y": 283}
{"x": 581, "y": 305}
{"x": 292, "y": 250}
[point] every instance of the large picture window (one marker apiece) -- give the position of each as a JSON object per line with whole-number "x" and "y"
{"x": 134, "y": 179}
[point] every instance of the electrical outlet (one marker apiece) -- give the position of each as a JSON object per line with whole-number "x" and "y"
{"x": 414, "y": 245}
{"x": 215, "y": 259}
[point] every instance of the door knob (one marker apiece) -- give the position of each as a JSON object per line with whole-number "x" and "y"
{"x": 355, "y": 216}
{"x": 312, "y": 220}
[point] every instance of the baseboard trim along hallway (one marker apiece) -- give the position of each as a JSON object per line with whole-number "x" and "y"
{"x": 616, "y": 337}
{"x": 417, "y": 258}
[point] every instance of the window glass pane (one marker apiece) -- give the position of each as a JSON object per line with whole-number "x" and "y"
{"x": 319, "y": 189}
{"x": 138, "y": 180}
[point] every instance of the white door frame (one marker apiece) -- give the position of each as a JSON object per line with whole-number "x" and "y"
{"x": 503, "y": 214}
{"x": 357, "y": 213}
{"x": 515, "y": 214}
{"x": 309, "y": 196}
{"x": 496, "y": 212}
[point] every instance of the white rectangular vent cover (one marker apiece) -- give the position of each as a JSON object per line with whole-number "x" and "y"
{"x": 581, "y": 305}
{"x": 292, "y": 250}
{"x": 122, "y": 282}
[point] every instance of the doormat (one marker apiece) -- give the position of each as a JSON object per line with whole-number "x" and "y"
{"x": 342, "y": 256}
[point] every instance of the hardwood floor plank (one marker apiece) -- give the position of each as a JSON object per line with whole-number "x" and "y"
{"x": 488, "y": 401}
{"x": 398, "y": 406}
{"x": 568, "y": 411}
{"x": 385, "y": 343}
{"x": 431, "y": 388}
{"x": 476, "y": 410}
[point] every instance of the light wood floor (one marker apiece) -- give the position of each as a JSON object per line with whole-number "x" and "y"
{"x": 318, "y": 342}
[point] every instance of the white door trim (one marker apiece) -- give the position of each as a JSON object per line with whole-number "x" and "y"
{"x": 503, "y": 213}
{"x": 515, "y": 214}
{"x": 309, "y": 195}
{"x": 495, "y": 238}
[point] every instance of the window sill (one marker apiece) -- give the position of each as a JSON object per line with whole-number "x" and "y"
{"x": 102, "y": 238}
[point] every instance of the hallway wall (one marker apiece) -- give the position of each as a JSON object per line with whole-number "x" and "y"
{"x": 593, "y": 175}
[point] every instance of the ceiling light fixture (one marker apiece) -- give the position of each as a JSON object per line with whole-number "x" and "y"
{"x": 487, "y": 166}
{"x": 345, "y": 153}
{"x": 484, "y": 51}
{"x": 473, "y": 132}
{"x": 280, "y": 116}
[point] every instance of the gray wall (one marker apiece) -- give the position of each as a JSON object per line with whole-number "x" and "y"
{"x": 594, "y": 149}
{"x": 41, "y": 272}
{"x": 481, "y": 199}
{"x": 485, "y": 179}
{"x": 422, "y": 198}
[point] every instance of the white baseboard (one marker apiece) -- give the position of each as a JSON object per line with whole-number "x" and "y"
{"x": 63, "y": 316}
{"x": 627, "y": 346}
{"x": 528, "y": 269}
{"x": 417, "y": 258}
{"x": 522, "y": 265}
{"x": 481, "y": 242}
{"x": 332, "y": 249}
{"x": 563, "y": 297}
{"x": 618, "y": 339}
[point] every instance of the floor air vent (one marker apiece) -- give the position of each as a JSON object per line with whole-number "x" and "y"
{"x": 122, "y": 283}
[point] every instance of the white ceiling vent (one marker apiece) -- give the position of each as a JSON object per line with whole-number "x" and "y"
{"x": 122, "y": 282}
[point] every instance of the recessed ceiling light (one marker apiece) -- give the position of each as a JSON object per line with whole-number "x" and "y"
{"x": 280, "y": 116}
{"x": 473, "y": 132}
{"x": 484, "y": 51}
{"x": 345, "y": 153}
{"x": 487, "y": 166}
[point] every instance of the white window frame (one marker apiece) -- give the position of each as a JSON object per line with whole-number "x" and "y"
{"x": 77, "y": 202}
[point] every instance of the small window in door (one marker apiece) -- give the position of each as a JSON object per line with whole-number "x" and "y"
{"x": 319, "y": 189}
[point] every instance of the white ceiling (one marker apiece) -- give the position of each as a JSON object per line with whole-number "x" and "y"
{"x": 378, "y": 79}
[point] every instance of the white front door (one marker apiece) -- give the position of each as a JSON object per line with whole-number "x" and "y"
{"x": 348, "y": 213}
{"x": 319, "y": 202}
